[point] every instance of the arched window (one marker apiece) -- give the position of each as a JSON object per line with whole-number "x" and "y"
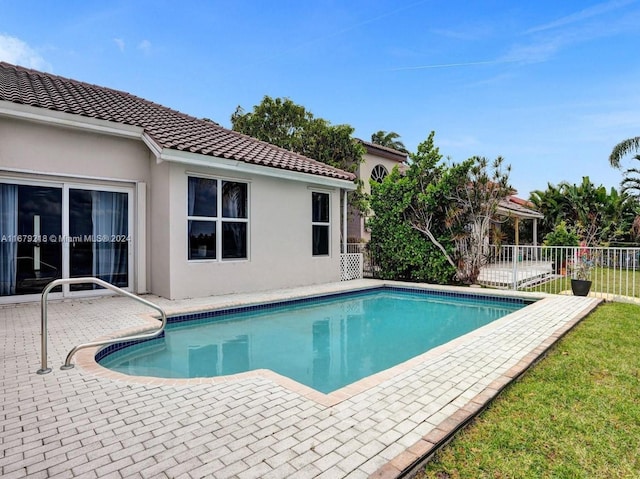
{"x": 379, "y": 173}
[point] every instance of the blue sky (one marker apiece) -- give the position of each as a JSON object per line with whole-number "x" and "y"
{"x": 550, "y": 86}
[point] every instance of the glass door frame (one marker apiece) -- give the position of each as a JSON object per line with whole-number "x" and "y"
{"x": 66, "y": 245}
{"x": 65, "y": 185}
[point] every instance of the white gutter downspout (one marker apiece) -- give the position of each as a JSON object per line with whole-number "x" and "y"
{"x": 344, "y": 221}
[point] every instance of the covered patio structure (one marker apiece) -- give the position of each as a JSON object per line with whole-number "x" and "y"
{"x": 519, "y": 209}
{"x": 515, "y": 266}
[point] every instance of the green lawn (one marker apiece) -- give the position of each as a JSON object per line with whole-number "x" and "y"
{"x": 576, "y": 414}
{"x": 605, "y": 280}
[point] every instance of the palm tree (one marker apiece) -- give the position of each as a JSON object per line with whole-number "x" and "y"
{"x": 390, "y": 140}
{"x": 631, "y": 180}
{"x": 553, "y": 204}
{"x": 622, "y": 148}
{"x": 596, "y": 214}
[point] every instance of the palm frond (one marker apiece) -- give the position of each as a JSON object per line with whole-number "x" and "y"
{"x": 623, "y": 148}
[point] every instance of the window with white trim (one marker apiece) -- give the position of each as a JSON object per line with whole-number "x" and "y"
{"x": 217, "y": 219}
{"x": 320, "y": 224}
{"x": 379, "y": 173}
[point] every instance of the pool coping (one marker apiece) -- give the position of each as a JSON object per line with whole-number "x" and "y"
{"x": 250, "y": 427}
{"x": 408, "y": 463}
{"x": 85, "y": 358}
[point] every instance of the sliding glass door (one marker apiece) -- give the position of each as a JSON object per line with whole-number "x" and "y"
{"x": 99, "y": 236}
{"x": 51, "y": 231}
{"x": 30, "y": 225}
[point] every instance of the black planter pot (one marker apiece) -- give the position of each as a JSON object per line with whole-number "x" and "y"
{"x": 580, "y": 287}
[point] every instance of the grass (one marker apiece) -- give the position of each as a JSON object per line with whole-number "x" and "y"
{"x": 605, "y": 280}
{"x": 576, "y": 414}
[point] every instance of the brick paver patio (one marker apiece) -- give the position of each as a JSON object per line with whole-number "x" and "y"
{"x": 83, "y": 423}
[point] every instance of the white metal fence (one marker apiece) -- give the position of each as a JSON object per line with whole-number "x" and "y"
{"x": 613, "y": 272}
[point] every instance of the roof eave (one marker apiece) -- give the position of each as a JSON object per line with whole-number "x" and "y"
{"x": 383, "y": 151}
{"x": 197, "y": 159}
{"x": 528, "y": 214}
{"x": 68, "y": 120}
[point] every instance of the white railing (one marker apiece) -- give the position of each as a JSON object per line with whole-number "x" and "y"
{"x": 44, "y": 369}
{"x": 613, "y": 272}
{"x": 356, "y": 247}
{"x": 368, "y": 266}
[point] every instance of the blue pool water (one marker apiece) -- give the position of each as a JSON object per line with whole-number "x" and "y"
{"x": 325, "y": 343}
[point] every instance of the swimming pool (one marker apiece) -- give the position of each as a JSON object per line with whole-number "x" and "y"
{"x": 324, "y": 343}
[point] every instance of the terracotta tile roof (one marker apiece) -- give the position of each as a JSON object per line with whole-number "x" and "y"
{"x": 168, "y": 128}
{"x": 384, "y": 151}
{"x": 512, "y": 205}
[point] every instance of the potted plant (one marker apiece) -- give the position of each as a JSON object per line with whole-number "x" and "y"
{"x": 581, "y": 272}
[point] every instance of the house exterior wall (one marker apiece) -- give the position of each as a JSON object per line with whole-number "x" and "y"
{"x": 356, "y": 227}
{"x": 43, "y": 148}
{"x": 280, "y": 230}
{"x": 280, "y": 241}
{"x": 45, "y": 154}
{"x": 160, "y": 226}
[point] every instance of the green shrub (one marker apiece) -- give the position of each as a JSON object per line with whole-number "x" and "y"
{"x": 561, "y": 236}
{"x": 399, "y": 251}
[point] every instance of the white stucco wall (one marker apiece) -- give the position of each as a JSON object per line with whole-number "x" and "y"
{"x": 369, "y": 163}
{"x": 45, "y": 149}
{"x": 280, "y": 253}
{"x": 45, "y": 154}
{"x": 356, "y": 226}
{"x": 159, "y": 213}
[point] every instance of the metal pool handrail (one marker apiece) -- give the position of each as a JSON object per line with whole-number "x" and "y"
{"x": 43, "y": 320}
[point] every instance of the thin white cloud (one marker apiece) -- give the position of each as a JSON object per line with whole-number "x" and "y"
{"x": 582, "y": 15}
{"x": 468, "y": 32}
{"x": 145, "y": 46}
{"x": 534, "y": 52}
{"x": 120, "y": 43}
{"x": 13, "y": 50}
{"x": 580, "y": 27}
{"x": 450, "y": 65}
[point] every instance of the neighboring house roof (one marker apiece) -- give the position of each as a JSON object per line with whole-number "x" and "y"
{"x": 514, "y": 206}
{"x": 167, "y": 129}
{"x": 384, "y": 151}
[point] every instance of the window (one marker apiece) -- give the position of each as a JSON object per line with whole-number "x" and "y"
{"x": 320, "y": 223}
{"x": 379, "y": 173}
{"x": 217, "y": 219}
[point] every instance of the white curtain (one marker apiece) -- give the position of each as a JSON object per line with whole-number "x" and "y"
{"x": 191, "y": 203}
{"x": 109, "y": 216}
{"x": 8, "y": 234}
{"x": 193, "y": 185}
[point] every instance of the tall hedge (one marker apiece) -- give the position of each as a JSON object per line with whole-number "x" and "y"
{"x": 399, "y": 251}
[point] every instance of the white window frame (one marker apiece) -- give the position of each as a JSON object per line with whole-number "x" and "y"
{"x": 219, "y": 220}
{"x": 321, "y": 223}
{"x": 379, "y": 173}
